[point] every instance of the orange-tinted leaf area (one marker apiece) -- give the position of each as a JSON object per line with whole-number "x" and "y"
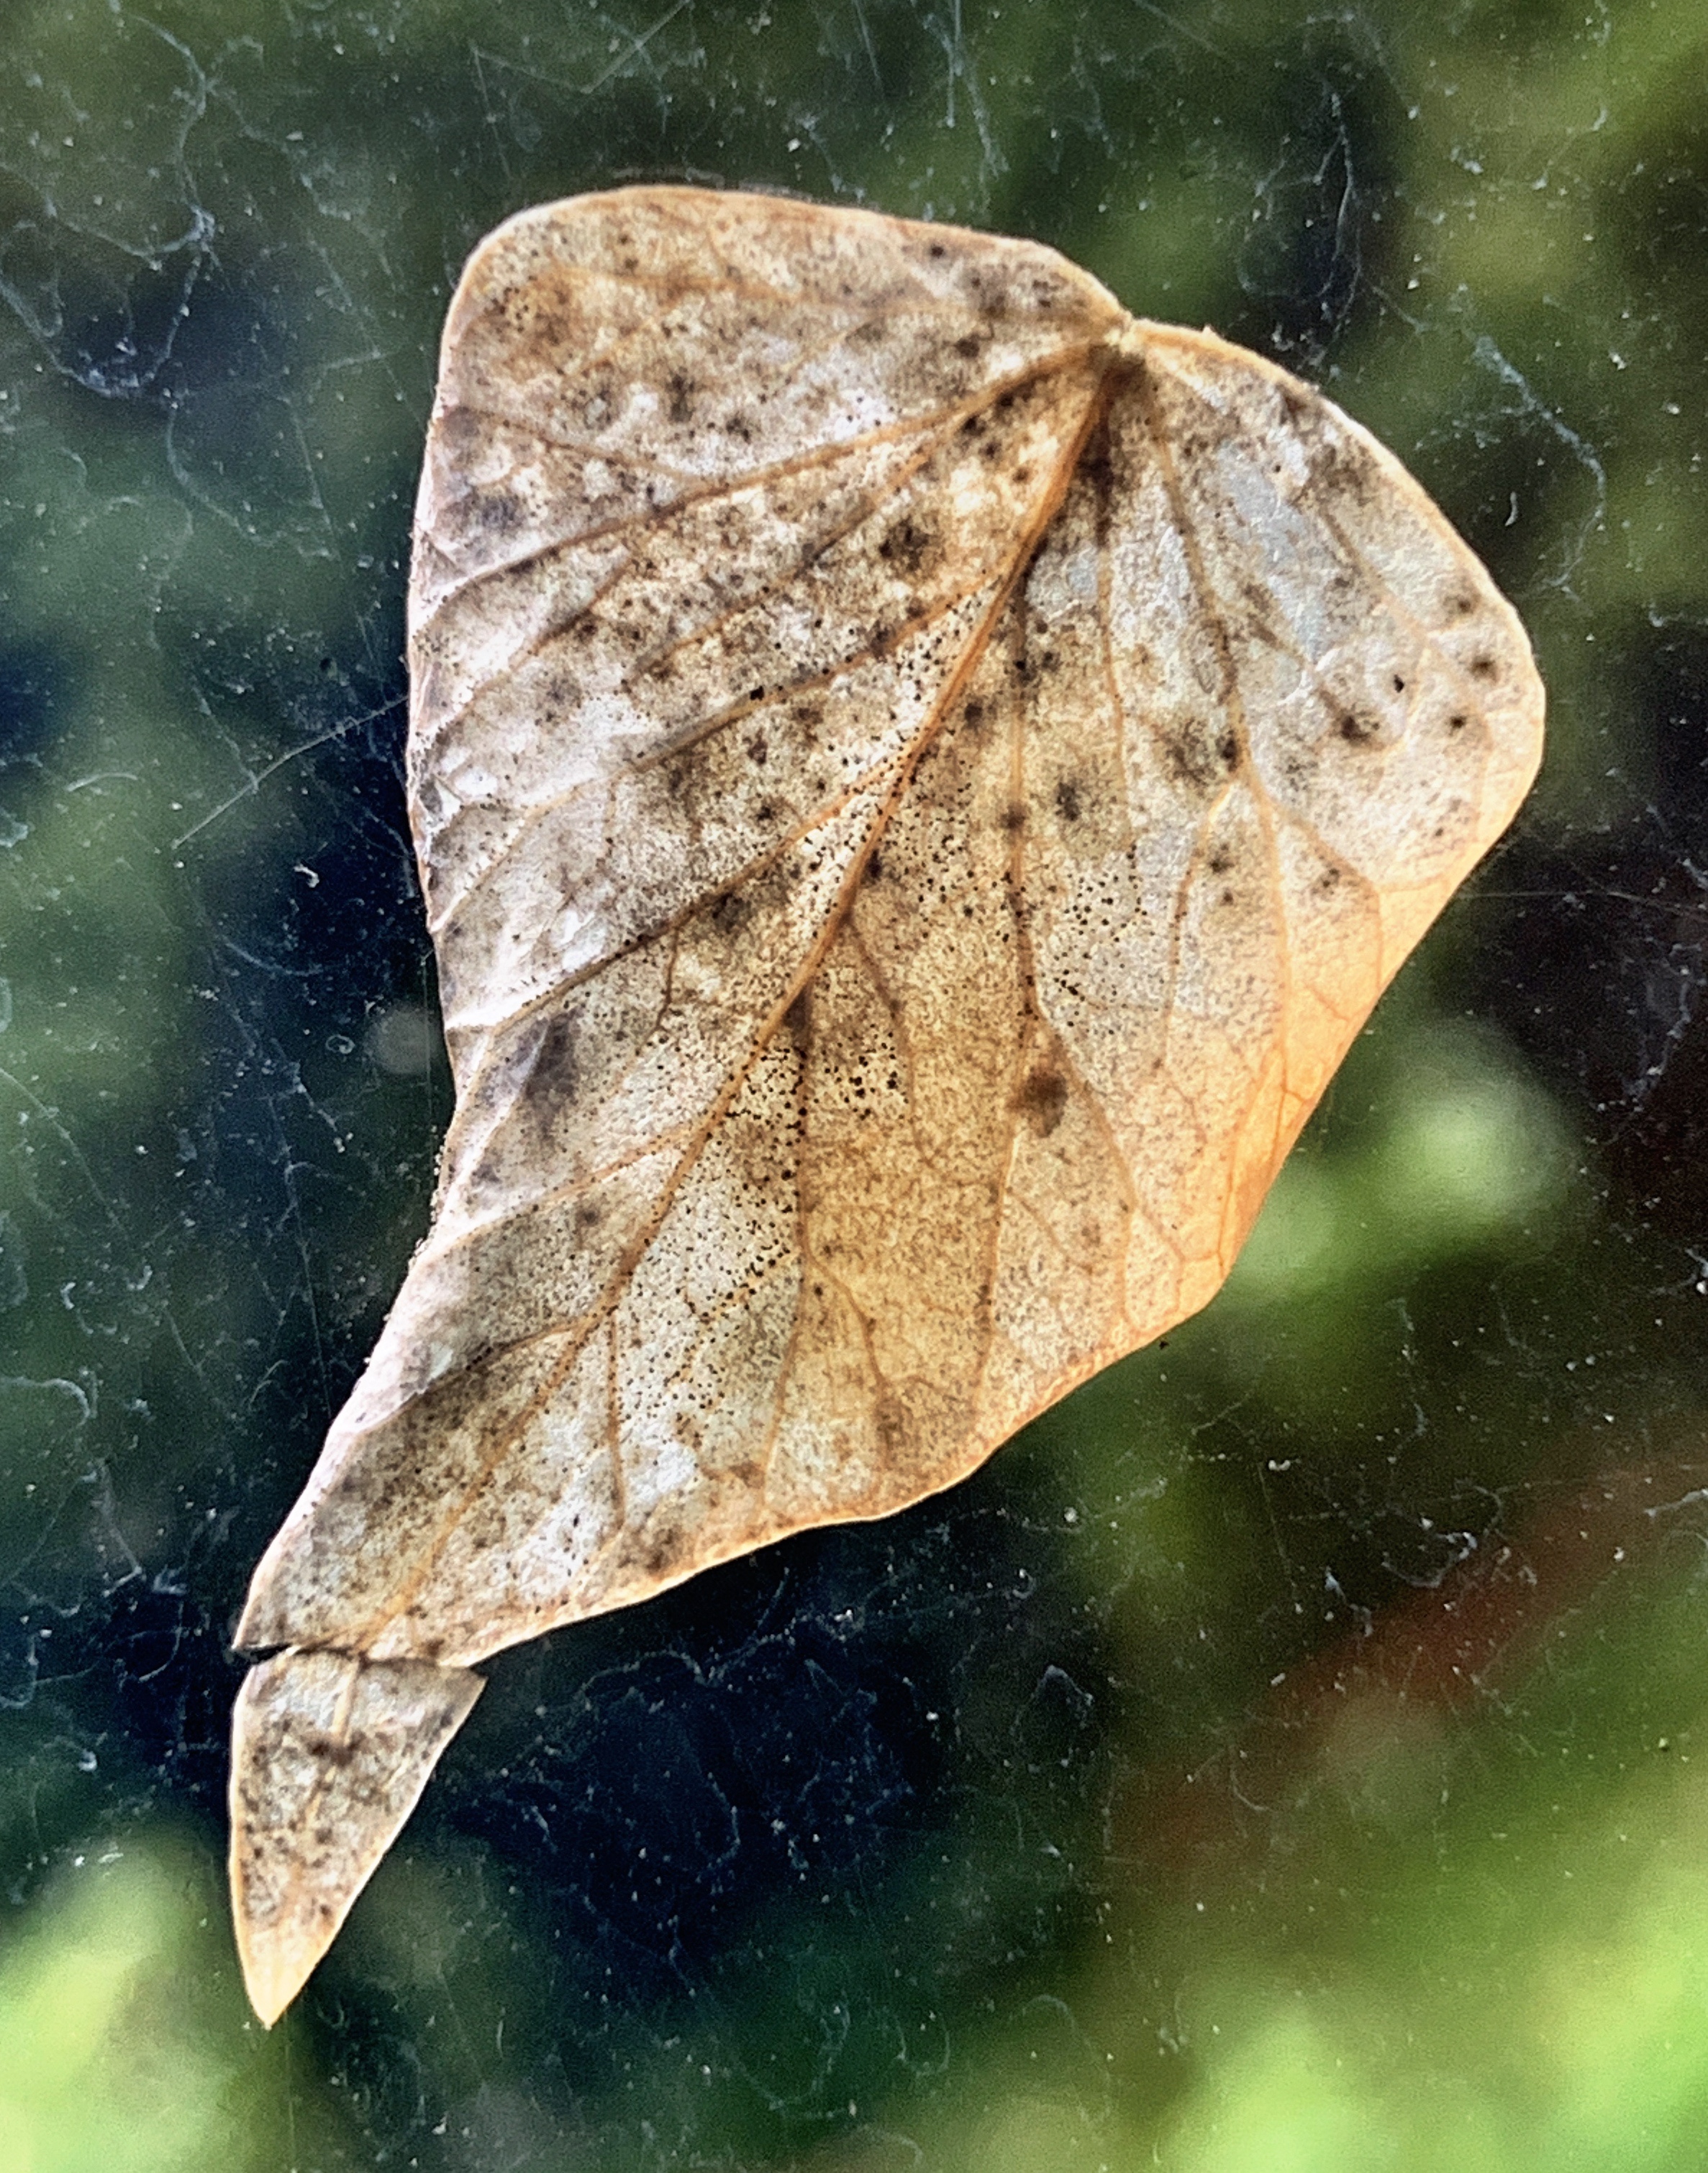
{"x": 918, "y": 777}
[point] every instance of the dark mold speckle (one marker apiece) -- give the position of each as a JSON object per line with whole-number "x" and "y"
{"x": 1042, "y": 1098}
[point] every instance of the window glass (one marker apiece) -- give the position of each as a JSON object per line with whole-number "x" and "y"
{"x": 1290, "y": 1751}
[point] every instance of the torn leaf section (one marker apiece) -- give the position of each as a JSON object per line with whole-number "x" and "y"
{"x": 330, "y": 1754}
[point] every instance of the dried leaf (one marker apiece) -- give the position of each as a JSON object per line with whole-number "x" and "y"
{"x": 329, "y": 1756}
{"x": 918, "y": 777}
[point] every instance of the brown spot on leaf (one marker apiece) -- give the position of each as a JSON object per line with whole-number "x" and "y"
{"x": 1198, "y": 756}
{"x": 1042, "y": 1098}
{"x": 893, "y": 1424}
{"x": 555, "y": 1072}
{"x": 906, "y": 545}
{"x": 730, "y": 912}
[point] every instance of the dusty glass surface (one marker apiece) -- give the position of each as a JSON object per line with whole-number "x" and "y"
{"x": 1292, "y": 1750}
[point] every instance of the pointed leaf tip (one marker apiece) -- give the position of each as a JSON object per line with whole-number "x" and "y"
{"x": 330, "y": 1754}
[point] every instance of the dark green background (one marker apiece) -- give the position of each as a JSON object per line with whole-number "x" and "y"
{"x": 1290, "y": 1755}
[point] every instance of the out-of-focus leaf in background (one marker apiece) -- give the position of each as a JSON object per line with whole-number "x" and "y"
{"x": 1285, "y": 1756}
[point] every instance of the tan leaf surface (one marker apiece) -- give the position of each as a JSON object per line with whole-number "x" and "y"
{"x": 918, "y": 778}
{"x": 329, "y": 1755}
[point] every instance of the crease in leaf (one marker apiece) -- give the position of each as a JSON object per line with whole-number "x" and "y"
{"x": 917, "y": 777}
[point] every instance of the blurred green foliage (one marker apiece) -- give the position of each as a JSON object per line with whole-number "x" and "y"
{"x": 1287, "y": 1755}
{"x": 114, "y": 2059}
